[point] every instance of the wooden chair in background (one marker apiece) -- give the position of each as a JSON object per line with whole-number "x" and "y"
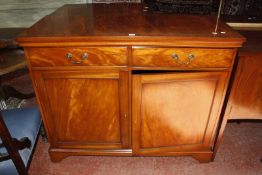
{"x": 11, "y": 59}
{"x": 19, "y": 130}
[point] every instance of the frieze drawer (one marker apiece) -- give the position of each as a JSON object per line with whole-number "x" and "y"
{"x": 182, "y": 57}
{"x": 91, "y": 56}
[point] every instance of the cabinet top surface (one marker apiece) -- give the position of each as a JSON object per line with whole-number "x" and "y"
{"x": 127, "y": 22}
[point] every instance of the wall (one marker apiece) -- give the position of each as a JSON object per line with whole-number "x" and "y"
{"x": 24, "y": 13}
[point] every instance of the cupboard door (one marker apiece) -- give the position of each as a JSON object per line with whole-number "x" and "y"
{"x": 85, "y": 109}
{"x": 176, "y": 112}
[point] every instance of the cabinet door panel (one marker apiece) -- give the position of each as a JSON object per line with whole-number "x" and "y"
{"x": 84, "y": 109}
{"x": 176, "y": 112}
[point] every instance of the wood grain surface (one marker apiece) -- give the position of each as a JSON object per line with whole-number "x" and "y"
{"x": 245, "y": 101}
{"x": 126, "y": 23}
{"x": 11, "y": 60}
{"x": 202, "y": 58}
{"x": 246, "y": 96}
{"x": 97, "y": 56}
{"x": 85, "y": 109}
{"x": 166, "y": 121}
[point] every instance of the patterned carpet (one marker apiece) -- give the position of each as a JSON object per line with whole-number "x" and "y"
{"x": 239, "y": 154}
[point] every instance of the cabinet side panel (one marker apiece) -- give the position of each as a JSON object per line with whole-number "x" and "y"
{"x": 246, "y": 96}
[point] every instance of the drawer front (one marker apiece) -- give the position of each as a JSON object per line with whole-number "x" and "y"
{"x": 95, "y": 56}
{"x": 182, "y": 57}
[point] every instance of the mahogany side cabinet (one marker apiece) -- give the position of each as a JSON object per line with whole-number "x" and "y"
{"x": 116, "y": 79}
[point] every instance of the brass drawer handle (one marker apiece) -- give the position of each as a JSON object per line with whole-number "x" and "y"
{"x": 70, "y": 56}
{"x": 191, "y": 57}
{"x": 176, "y": 58}
{"x": 85, "y": 56}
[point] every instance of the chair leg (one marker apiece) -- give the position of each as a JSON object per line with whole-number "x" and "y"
{"x": 43, "y": 134}
{"x": 22, "y": 143}
{"x": 12, "y": 151}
